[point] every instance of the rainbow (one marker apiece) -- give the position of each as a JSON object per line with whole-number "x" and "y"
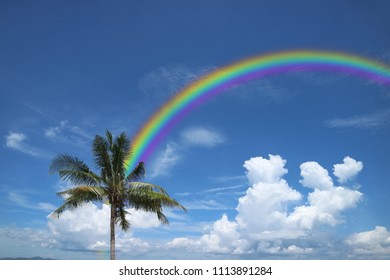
{"x": 195, "y": 94}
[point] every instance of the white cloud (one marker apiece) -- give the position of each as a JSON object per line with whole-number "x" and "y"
{"x": 221, "y": 189}
{"x": 53, "y": 132}
{"x": 82, "y": 228}
{"x": 325, "y": 207}
{"x": 199, "y": 136}
{"x": 46, "y": 206}
{"x": 142, "y": 219}
{"x": 23, "y": 201}
{"x": 347, "y": 170}
{"x": 265, "y": 170}
{"x": 65, "y": 132}
{"x": 326, "y": 202}
{"x": 272, "y": 217}
{"x": 23, "y": 240}
{"x": 17, "y": 199}
{"x": 87, "y": 228}
{"x": 223, "y": 238}
{"x": 17, "y": 141}
{"x": 376, "y": 241}
{"x": 209, "y": 204}
{"x": 223, "y": 179}
{"x": 268, "y": 197}
{"x": 165, "y": 161}
{"x": 218, "y": 198}
{"x": 368, "y": 121}
{"x": 315, "y": 176}
{"x": 132, "y": 245}
{"x": 297, "y": 250}
{"x": 173, "y": 152}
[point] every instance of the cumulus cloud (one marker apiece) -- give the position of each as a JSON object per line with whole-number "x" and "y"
{"x": 273, "y": 217}
{"x": 315, "y": 176}
{"x": 268, "y": 197}
{"x": 265, "y": 170}
{"x": 81, "y": 228}
{"x": 376, "y": 241}
{"x": 87, "y": 228}
{"x": 17, "y": 141}
{"x": 199, "y": 136}
{"x": 222, "y": 238}
{"x": 325, "y": 207}
{"x": 347, "y": 170}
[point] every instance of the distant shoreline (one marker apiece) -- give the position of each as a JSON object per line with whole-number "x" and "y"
{"x": 25, "y": 259}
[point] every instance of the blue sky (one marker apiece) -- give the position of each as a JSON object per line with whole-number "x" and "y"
{"x": 293, "y": 166}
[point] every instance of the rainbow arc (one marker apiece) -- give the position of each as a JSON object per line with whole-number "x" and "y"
{"x": 216, "y": 82}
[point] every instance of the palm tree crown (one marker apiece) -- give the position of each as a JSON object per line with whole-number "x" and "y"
{"x": 111, "y": 184}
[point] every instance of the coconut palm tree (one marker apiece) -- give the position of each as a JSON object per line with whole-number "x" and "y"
{"x": 110, "y": 184}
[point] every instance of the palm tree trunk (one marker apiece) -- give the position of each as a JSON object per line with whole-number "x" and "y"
{"x": 112, "y": 232}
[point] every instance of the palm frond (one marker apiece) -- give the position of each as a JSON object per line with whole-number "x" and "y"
{"x": 109, "y": 139}
{"x": 121, "y": 218}
{"x": 143, "y": 186}
{"x": 100, "y": 149}
{"x": 137, "y": 173}
{"x": 150, "y": 197}
{"x": 120, "y": 147}
{"x": 74, "y": 170}
{"x": 162, "y": 218}
{"x": 74, "y": 197}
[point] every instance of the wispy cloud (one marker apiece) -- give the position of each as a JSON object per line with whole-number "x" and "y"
{"x": 222, "y": 189}
{"x": 17, "y": 141}
{"x": 39, "y": 111}
{"x": 174, "y": 152}
{"x": 213, "y": 190}
{"x": 23, "y": 201}
{"x": 223, "y": 179}
{"x": 368, "y": 121}
{"x": 64, "y": 132}
{"x": 165, "y": 161}
{"x": 167, "y": 80}
{"x": 200, "y": 136}
{"x": 216, "y": 198}
{"x": 209, "y": 204}
{"x": 264, "y": 90}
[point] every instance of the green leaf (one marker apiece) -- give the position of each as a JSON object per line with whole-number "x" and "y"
{"x": 137, "y": 173}
{"x": 79, "y": 195}
{"x": 74, "y": 170}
